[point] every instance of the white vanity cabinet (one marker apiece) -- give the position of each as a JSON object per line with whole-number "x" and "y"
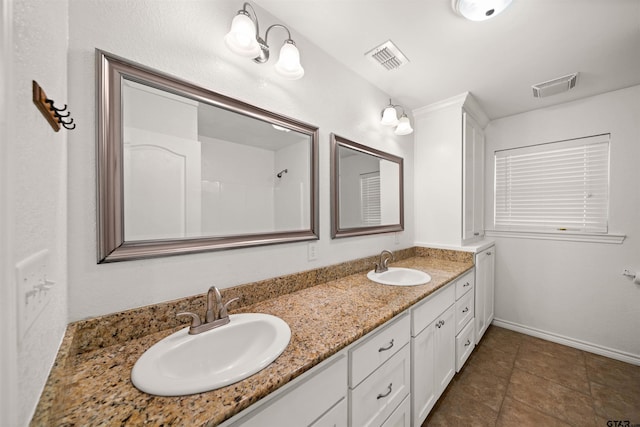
{"x": 317, "y": 398}
{"x": 465, "y": 325}
{"x": 485, "y": 283}
{"x": 449, "y": 172}
{"x": 380, "y": 368}
{"x": 433, "y": 331}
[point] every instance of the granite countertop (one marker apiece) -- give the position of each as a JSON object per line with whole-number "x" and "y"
{"x": 94, "y": 387}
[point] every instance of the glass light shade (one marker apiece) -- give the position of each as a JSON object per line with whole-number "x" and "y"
{"x": 480, "y": 10}
{"x": 241, "y": 38}
{"x": 389, "y": 116}
{"x": 288, "y": 65}
{"x": 404, "y": 126}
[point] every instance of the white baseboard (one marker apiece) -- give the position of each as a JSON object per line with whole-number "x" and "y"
{"x": 570, "y": 342}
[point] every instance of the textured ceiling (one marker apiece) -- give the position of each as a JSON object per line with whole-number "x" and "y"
{"x": 496, "y": 60}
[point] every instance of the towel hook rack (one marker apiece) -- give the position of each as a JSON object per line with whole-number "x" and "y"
{"x": 55, "y": 116}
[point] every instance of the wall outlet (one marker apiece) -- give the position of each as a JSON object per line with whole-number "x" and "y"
{"x": 312, "y": 251}
{"x": 34, "y": 289}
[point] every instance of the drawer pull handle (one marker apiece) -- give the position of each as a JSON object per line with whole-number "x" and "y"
{"x": 489, "y": 253}
{"x": 380, "y": 396}
{"x": 381, "y": 349}
{"x": 439, "y": 324}
{"x": 467, "y": 344}
{"x": 466, "y": 284}
{"x": 465, "y": 309}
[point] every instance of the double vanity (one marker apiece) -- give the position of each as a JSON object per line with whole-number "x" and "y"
{"x": 360, "y": 353}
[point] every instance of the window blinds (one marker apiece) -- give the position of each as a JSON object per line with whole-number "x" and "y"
{"x": 555, "y": 187}
{"x": 370, "y": 198}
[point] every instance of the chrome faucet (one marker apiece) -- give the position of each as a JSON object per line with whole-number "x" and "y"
{"x": 383, "y": 265}
{"x": 215, "y": 316}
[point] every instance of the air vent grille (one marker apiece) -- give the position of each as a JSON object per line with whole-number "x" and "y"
{"x": 388, "y": 55}
{"x": 555, "y": 86}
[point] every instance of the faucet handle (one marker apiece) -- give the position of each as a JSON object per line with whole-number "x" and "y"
{"x": 195, "y": 319}
{"x": 223, "y": 310}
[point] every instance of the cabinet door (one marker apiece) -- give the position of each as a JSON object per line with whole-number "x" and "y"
{"x": 485, "y": 266}
{"x": 473, "y": 179}
{"x": 445, "y": 349}
{"x": 423, "y": 381}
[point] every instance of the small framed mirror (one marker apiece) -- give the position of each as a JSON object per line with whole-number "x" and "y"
{"x": 367, "y": 194}
{"x": 182, "y": 169}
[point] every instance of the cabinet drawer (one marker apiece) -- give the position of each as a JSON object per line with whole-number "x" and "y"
{"x": 303, "y": 403}
{"x": 465, "y": 342}
{"x": 380, "y": 394}
{"x": 375, "y": 350}
{"x": 465, "y": 309}
{"x": 465, "y": 283}
{"x": 401, "y": 417}
{"x": 335, "y": 417}
{"x": 433, "y": 306}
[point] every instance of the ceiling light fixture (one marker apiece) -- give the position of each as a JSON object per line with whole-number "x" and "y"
{"x": 244, "y": 39}
{"x": 479, "y": 10}
{"x": 390, "y": 118}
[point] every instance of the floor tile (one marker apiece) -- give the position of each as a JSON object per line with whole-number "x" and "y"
{"x": 552, "y": 349}
{"x": 502, "y": 339}
{"x": 551, "y": 398}
{"x": 614, "y": 404}
{"x": 514, "y": 413}
{"x": 512, "y": 379}
{"x": 477, "y": 384}
{"x": 572, "y": 374}
{"x": 492, "y": 361}
{"x": 455, "y": 411}
{"x": 613, "y": 373}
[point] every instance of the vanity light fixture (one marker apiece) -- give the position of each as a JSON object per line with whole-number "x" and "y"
{"x": 390, "y": 118}
{"x": 479, "y": 10}
{"x": 244, "y": 39}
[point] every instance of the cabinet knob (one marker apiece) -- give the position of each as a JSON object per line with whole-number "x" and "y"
{"x": 476, "y": 233}
{"x": 381, "y": 349}
{"x": 389, "y": 388}
{"x": 489, "y": 253}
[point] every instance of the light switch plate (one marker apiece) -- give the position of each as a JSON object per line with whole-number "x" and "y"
{"x": 312, "y": 251}
{"x": 34, "y": 289}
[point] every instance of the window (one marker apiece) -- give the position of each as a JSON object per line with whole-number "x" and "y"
{"x": 555, "y": 187}
{"x": 370, "y": 198}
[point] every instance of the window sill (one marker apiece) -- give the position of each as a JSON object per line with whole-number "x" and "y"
{"x": 571, "y": 237}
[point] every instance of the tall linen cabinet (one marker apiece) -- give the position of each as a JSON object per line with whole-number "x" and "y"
{"x": 449, "y": 188}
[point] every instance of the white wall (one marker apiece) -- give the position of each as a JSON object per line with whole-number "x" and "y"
{"x": 570, "y": 289}
{"x": 186, "y": 39}
{"x": 237, "y": 188}
{"x": 34, "y": 195}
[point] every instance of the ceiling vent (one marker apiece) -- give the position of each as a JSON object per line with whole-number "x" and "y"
{"x": 555, "y": 86}
{"x": 388, "y": 55}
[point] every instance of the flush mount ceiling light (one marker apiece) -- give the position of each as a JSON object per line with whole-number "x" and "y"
{"x": 479, "y": 10}
{"x": 244, "y": 39}
{"x": 390, "y": 118}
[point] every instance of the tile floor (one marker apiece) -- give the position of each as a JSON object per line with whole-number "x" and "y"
{"x": 513, "y": 379}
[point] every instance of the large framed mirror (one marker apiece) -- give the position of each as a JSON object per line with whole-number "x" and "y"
{"x": 182, "y": 169}
{"x": 367, "y": 194}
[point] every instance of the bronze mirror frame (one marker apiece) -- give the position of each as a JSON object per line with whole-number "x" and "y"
{"x": 111, "y": 70}
{"x": 337, "y": 230}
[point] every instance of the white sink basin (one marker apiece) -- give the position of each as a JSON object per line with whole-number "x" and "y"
{"x": 182, "y": 364}
{"x": 398, "y": 276}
